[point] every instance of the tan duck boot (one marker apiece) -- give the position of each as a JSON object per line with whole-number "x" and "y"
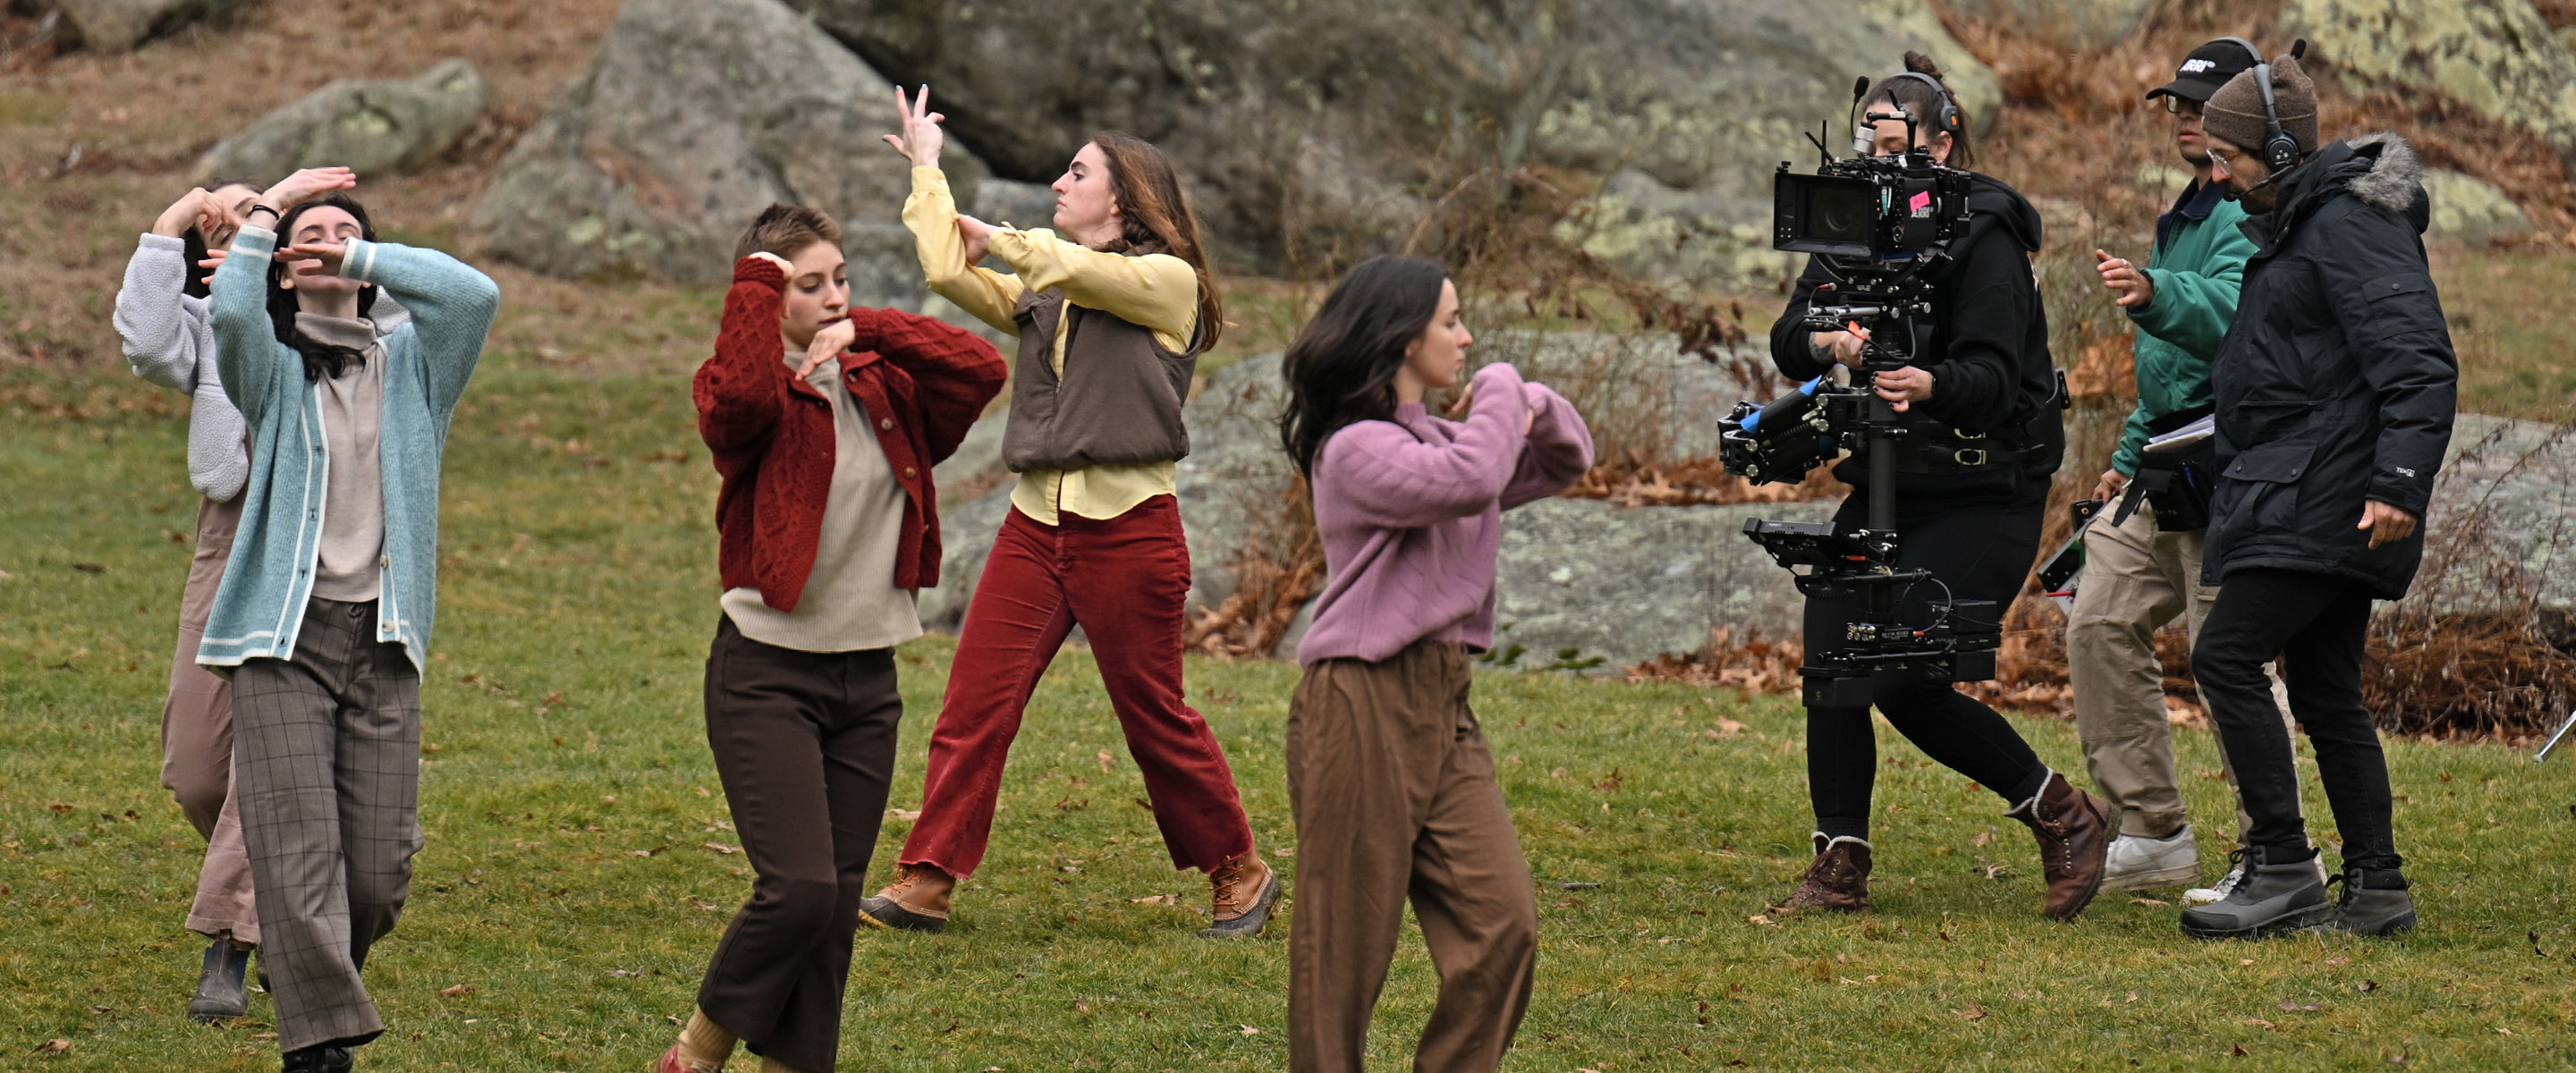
{"x": 917, "y": 900}
{"x": 1243, "y": 891}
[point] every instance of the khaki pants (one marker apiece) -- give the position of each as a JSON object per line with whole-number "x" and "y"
{"x": 197, "y": 743}
{"x": 2136, "y": 579}
{"x": 1394, "y": 795}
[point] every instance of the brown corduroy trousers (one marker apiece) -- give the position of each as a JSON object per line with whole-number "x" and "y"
{"x": 804, "y": 742}
{"x": 1394, "y": 794}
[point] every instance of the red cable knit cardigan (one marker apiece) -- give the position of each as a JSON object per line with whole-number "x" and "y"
{"x": 922, "y": 382}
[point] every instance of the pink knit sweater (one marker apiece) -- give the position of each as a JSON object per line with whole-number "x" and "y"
{"x": 1411, "y": 514}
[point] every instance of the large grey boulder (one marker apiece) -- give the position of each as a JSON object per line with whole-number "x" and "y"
{"x": 2501, "y": 532}
{"x": 1312, "y": 130}
{"x": 694, "y": 116}
{"x": 118, "y": 25}
{"x": 2496, "y": 56}
{"x": 372, "y": 125}
{"x": 1581, "y": 582}
{"x": 2472, "y": 209}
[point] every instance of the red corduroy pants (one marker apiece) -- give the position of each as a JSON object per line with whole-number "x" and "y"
{"x": 1124, "y": 581}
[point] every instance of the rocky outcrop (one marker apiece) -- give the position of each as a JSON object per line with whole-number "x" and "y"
{"x": 2496, "y": 56}
{"x": 1582, "y": 583}
{"x": 696, "y": 115}
{"x": 118, "y": 25}
{"x": 1303, "y": 134}
{"x": 371, "y": 125}
{"x": 2501, "y": 533}
{"x": 2081, "y": 24}
{"x": 2472, "y": 209}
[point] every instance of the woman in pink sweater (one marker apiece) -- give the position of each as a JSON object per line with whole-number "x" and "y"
{"x": 1388, "y": 773}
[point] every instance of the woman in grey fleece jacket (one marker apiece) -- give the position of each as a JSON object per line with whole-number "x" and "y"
{"x": 161, "y": 313}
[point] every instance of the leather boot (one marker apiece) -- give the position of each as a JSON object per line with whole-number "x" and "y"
{"x": 321, "y": 1058}
{"x": 1838, "y": 879}
{"x": 1241, "y": 894}
{"x": 917, "y": 900}
{"x": 2271, "y": 898}
{"x": 2074, "y": 833}
{"x": 220, "y": 992}
{"x": 2374, "y": 902}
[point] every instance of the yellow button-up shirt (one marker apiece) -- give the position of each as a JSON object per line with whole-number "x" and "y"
{"x": 1157, "y": 292}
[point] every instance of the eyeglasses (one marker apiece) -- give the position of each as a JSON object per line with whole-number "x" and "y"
{"x": 2225, "y": 161}
{"x": 2175, "y": 103}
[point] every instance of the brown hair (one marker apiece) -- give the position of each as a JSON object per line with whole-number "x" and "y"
{"x": 1915, "y": 97}
{"x": 785, "y": 230}
{"x": 322, "y": 361}
{"x": 192, "y": 242}
{"x": 1157, "y": 219}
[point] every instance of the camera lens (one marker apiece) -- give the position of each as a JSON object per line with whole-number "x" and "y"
{"x": 1841, "y": 214}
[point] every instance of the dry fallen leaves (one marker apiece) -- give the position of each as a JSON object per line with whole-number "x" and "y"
{"x": 1974, "y": 1012}
{"x": 54, "y": 1047}
{"x": 1155, "y": 899}
{"x": 458, "y": 991}
{"x": 722, "y": 849}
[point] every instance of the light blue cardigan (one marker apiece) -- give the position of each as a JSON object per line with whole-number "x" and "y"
{"x": 261, "y": 602}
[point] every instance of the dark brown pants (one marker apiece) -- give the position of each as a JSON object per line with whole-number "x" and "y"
{"x": 1394, "y": 794}
{"x": 804, "y": 742}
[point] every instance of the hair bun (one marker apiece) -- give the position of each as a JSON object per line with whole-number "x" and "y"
{"x": 1923, "y": 65}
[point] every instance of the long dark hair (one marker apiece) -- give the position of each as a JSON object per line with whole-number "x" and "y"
{"x": 1342, "y": 367}
{"x": 193, "y": 244}
{"x": 321, "y": 360}
{"x": 1915, "y": 97}
{"x": 1158, "y": 219}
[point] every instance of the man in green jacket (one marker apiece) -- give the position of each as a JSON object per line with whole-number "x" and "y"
{"x": 2137, "y": 574}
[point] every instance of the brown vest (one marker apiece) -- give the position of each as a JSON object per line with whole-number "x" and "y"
{"x": 1118, "y": 402}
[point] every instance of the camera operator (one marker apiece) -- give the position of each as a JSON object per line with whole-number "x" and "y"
{"x": 2142, "y": 562}
{"x": 2335, "y": 388}
{"x": 1981, "y": 405}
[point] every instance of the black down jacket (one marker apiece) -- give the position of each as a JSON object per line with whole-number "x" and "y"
{"x": 2336, "y": 382}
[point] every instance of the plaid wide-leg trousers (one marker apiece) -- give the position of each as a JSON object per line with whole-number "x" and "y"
{"x": 326, "y": 764}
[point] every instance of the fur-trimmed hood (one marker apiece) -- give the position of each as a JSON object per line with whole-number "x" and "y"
{"x": 2379, "y": 170}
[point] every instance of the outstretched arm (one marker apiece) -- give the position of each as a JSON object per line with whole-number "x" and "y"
{"x": 1397, "y": 481}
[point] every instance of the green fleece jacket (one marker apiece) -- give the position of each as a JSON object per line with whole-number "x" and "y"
{"x": 2197, "y": 267}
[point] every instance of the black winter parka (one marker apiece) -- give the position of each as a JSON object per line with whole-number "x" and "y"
{"x": 1987, "y": 353}
{"x": 2336, "y": 382}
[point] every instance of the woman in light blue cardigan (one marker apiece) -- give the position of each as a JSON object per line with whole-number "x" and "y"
{"x": 323, "y": 618}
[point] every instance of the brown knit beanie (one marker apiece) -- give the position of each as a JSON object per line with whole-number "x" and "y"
{"x": 2234, "y": 114}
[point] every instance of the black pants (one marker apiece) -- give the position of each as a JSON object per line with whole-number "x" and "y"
{"x": 1981, "y": 553}
{"x": 2317, "y": 624}
{"x": 804, "y": 742}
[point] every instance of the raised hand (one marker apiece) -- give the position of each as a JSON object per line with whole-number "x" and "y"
{"x": 922, "y": 137}
{"x": 313, "y": 258}
{"x": 829, "y": 342}
{"x": 198, "y": 209}
{"x": 2134, "y": 289}
{"x": 304, "y": 186}
{"x": 978, "y": 237}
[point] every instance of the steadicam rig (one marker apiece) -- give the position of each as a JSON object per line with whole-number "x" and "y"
{"x": 1878, "y": 224}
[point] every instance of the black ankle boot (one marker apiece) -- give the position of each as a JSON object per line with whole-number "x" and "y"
{"x": 2272, "y": 898}
{"x": 321, "y": 1058}
{"x": 220, "y": 995}
{"x": 2374, "y": 902}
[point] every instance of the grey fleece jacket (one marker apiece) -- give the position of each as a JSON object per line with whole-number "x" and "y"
{"x": 170, "y": 341}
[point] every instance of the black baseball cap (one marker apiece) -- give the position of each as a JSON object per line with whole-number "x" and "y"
{"x": 2209, "y": 67}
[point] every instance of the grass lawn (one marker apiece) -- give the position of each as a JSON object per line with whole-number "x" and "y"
{"x": 568, "y": 896}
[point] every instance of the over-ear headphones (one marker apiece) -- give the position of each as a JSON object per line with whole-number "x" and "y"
{"x": 1944, "y": 121}
{"x": 2280, "y": 150}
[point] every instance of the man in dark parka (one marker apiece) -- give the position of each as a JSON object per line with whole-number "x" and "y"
{"x": 2335, "y": 388}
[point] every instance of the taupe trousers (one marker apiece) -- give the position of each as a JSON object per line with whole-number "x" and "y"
{"x": 1394, "y": 794}
{"x": 197, "y": 743}
{"x": 2136, "y": 579}
{"x": 326, "y": 752}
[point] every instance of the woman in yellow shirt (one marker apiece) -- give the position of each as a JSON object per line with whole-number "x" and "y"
{"x": 1111, "y": 318}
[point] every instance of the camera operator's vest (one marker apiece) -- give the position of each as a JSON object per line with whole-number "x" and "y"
{"x": 1117, "y": 403}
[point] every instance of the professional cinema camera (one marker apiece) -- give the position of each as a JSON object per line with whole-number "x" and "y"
{"x": 1879, "y": 224}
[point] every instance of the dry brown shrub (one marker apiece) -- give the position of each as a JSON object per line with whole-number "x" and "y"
{"x": 1279, "y": 567}
{"x": 1750, "y": 666}
{"x": 1637, "y": 480}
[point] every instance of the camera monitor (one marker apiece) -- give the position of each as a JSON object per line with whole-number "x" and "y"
{"x": 1825, "y": 214}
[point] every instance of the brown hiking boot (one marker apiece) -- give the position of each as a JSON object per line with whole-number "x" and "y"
{"x": 1839, "y": 878}
{"x": 2074, "y": 836}
{"x": 917, "y": 900}
{"x": 1243, "y": 890}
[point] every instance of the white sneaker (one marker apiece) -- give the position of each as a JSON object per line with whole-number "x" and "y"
{"x": 2236, "y": 875}
{"x": 2137, "y": 863}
